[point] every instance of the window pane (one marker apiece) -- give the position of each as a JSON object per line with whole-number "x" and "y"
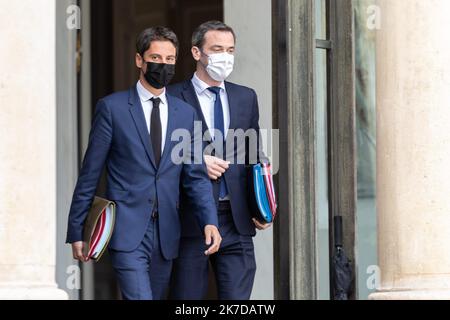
{"x": 321, "y": 19}
{"x": 322, "y": 173}
{"x": 366, "y": 147}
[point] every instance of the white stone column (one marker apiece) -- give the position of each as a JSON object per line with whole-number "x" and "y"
{"x": 413, "y": 149}
{"x": 28, "y": 150}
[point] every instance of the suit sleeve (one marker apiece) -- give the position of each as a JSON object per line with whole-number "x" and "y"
{"x": 94, "y": 160}
{"x": 196, "y": 183}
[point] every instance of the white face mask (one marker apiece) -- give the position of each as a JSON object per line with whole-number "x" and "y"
{"x": 220, "y": 65}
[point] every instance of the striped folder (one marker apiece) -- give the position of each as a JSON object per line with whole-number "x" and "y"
{"x": 98, "y": 227}
{"x": 263, "y": 200}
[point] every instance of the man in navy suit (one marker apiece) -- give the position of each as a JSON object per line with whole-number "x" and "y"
{"x": 131, "y": 135}
{"x": 223, "y": 107}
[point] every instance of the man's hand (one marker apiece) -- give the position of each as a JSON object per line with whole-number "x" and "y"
{"x": 261, "y": 226}
{"x": 77, "y": 251}
{"x": 216, "y": 167}
{"x": 212, "y": 233}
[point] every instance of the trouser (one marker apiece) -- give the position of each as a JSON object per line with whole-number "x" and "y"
{"x": 143, "y": 274}
{"x": 234, "y": 264}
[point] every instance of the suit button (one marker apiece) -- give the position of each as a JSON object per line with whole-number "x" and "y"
{"x": 150, "y": 200}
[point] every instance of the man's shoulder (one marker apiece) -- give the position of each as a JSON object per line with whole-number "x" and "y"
{"x": 118, "y": 101}
{"x": 117, "y": 97}
{"x": 175, "y": 89}
{"x": 239, "y": 89}
{"x": 181, "y": 104}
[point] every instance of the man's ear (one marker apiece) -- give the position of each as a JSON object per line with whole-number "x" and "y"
{"x": 139, "y": 61}
{"x": 196, "y": 54}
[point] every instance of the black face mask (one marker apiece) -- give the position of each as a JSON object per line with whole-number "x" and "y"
{"x": 159, "y": 75}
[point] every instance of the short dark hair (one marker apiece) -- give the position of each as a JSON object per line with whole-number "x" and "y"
{"x": 198, "y": 37}
{"x": 158, "y": 33}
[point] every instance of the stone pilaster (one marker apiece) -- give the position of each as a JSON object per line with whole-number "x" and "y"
{"x": 28, "y": 151}
{"x": 413, "y": 149}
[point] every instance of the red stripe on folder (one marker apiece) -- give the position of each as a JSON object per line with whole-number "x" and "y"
{"x": 99, "y": 228}
{"x": 272, "y": 196}
{"x": 270, "y": 189}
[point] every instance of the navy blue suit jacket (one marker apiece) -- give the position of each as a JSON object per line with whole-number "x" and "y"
{"x": 120, "y": 140}
{"x": 244, "y": 114}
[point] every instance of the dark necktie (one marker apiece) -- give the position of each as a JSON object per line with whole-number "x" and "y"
{"x": 156, "y": 130}
{"x": 219, "y": 125}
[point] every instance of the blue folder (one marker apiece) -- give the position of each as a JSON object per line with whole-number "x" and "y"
{"x": 260, "y": 194}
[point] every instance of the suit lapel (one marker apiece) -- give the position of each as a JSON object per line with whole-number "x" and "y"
{"x": 139, "y": 120}
{"x": 191, "y": 98}
{"x": 233, "y": 106}
{"x": 171, "y": 126}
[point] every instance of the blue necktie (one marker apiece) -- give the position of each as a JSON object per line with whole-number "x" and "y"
{"x": 218, "y": 125}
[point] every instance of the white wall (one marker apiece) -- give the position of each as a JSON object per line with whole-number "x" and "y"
{"x": 251, "y": 21}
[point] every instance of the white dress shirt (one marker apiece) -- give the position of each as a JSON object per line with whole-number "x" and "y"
{"x": 207, "y": 99}
{"x": 147, "y": 107}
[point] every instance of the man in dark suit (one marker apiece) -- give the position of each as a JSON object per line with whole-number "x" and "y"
{"x": 131, "y": 135}
{"x": 224, "y": 107}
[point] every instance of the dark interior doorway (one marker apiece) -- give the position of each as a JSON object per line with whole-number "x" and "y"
{"x": 115, "y": 25}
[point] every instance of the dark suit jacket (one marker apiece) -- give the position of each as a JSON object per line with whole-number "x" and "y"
{"x": 119, "y": 138}
{"x": 244, "y": 114}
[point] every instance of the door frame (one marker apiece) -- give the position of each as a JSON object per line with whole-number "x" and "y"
{"x": 295, "y": 233}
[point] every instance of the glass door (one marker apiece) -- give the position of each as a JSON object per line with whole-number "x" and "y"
{"x": 321, "y": 133}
